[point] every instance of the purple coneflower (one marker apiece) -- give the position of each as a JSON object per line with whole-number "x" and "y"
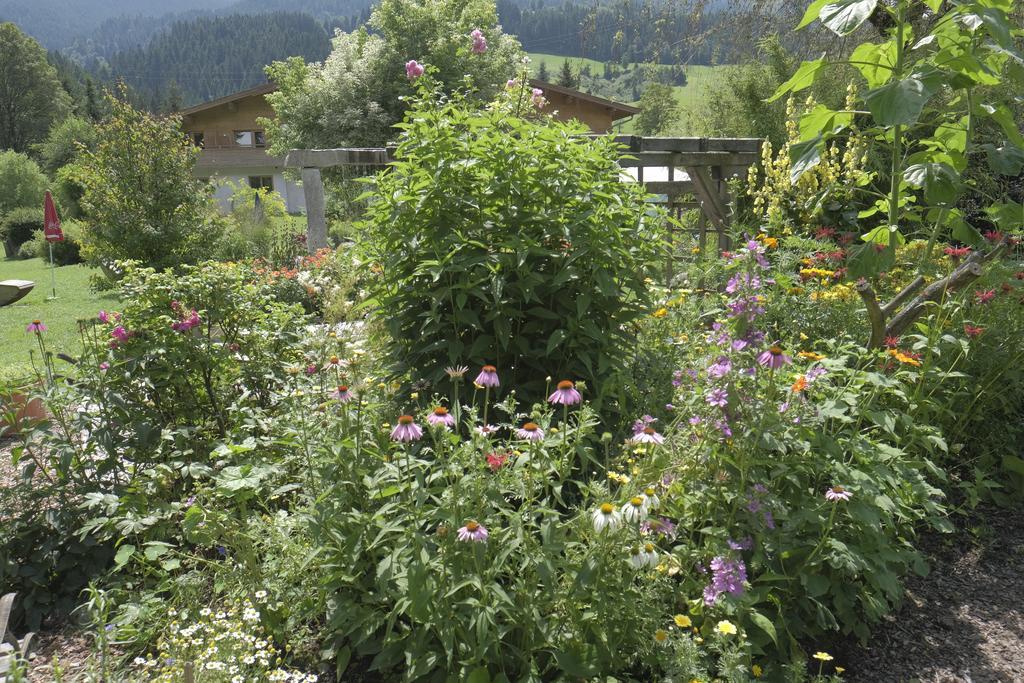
{"x": 488, "y": 376}
{"x": 565, "y": 394}
{"x": 473, "y": 531}
{"x": 440, "y": 416}
{"x": 648, "y": 435}
{"x": 774, "y": 358}
{"x": 413, "y": 69}
{"x": 342, "y": 394}
{"x": 406, "y": 430}
{"x": 36, "y": 326}
{"x": 530, "y": 432}
{"x": 837, "y": 493}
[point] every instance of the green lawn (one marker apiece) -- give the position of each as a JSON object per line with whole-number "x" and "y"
{"x": 74, "y": 301}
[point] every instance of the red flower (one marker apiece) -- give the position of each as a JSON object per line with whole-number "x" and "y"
{"x": 983, "y": 296}
{"x": 824, "y": 233}
{"x": 846, "y": 237}
{"x": 1019, "y": 276}
{"x": 892, "y": 342}
{"x": 496, "y": 460}
{"x": 972, "y": 331}
{"x": 956, "y": 252}
{"x": 994, "y": 236}
{"x": 726, "y": 254}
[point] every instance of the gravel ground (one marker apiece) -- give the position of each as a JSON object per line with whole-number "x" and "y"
{"x": 962, "y": 623}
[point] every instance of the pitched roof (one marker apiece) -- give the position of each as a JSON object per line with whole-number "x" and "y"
{"x": 619, "y": 109}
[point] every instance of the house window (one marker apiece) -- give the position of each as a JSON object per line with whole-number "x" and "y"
{"x": 257, "y": 182}
{"x": 198, "y": 139}
{"x": 250, "y": 138}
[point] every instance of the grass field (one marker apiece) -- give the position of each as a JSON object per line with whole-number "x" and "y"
{"x": 74, "y": 301}
{"x": 698, "y": 77}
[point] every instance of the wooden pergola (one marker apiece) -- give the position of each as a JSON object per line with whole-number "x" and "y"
{"x": 673, "y": 168}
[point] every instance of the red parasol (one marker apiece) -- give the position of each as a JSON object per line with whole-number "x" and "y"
{"x": 51, "y": 221}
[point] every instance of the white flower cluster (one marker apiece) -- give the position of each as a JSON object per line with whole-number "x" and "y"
{"x": 224, "y": 646}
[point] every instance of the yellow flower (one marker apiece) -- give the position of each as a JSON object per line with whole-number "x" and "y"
{"x": 682, "y": 621}
{"x": 904, "y": 358}
{"x": 414, "y": 395}
{"x": 757, "y": 671}
{"x": 840, "y": 669}
{"x": 695, "y": 250}
{"x": 803, "y": 337}
{"x": 811, "y": 355}
{"x": 660, "y": 636}
{"x": 726, "y": 628}
{"x": 660, "y": 313}
{"x": 823, "y": 656}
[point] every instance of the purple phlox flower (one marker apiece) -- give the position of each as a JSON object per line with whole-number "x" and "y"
{"x": 36, "y": 326}
{"x": 769, "y": 520}
{"x": 695, "y": 420}
{"x": 488, "y": 376}
{"x": 815, "y": 372}
{"x": 530, "y": 431}
{"x": 222, "y": 551}
{"x": 720, "y": 368}
{"x": 760, "y": 489}
{"x": 837, "y": 493}
{"x": 311, "y": 369}
{"x": 718, "y": 397}
{"x": 648, "y": 435}
{"x": 756, "y": 249}
{"x": 774, "y": 358}
{"x": 413, "y": 69}
{"x": 342, "y": 394}
{"x": 667, "y": 479}
{"x": 565, "y": 394}
{"x": 677, "y": 378}
{"x": 746, "y": 307}
{"x": 479, "y": 41}
{"x": 670, "y": 408}
{"x": 104, "y": 366}
{"x": 739, "y": 344}
{"x": 441, "y": 416}
{"x": 727, "y": 576}
{"x": 744, "y": 281}
{"x": 473, "y": 531}
{"x": 537, "y": 97}
{"x": 783, "y": 407}
{"x": 120, "y": 334}
{"x": 742, "y": 544}
{"x": 512, "y": 83}
{"x": 753, "y": 505}
{"x": 407, "y": 429}
{"x": 723, "y": 426}
{"x": 103, "y": 316}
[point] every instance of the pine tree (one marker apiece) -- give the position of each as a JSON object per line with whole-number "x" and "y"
{"x": 542, "y": 72}
{"x": 566, "y": 78}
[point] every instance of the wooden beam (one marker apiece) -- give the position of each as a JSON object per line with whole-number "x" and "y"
{"x": 705, "y": 189}
{"x": 730, "y": 159}
{"x": 672, "y": 188}
{"x": 316, "y": 216}
{"x": 326, "y": 158}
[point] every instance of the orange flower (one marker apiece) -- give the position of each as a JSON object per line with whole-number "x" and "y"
{"x": 799, "y": 385}
{"x": 904, "y": 358}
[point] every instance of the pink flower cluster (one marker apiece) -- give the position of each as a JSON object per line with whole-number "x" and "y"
{"x": 413, "y": 69}
{"x": 479, "y": 41}
{"x": 186, "y": 323}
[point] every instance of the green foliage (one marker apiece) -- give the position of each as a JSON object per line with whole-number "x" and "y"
{"x": 660, "y": 110}
{"x": 354, "y": 97}
{"x": 33, "y": 96}
{"x": 140, "y": 197}
{"x": 65, "y": 142}
{"x": 65, "y": 253}
{"x": 17, "y": 227}
{"x": 22, "y": 183}
{"x": 509, "y": 241}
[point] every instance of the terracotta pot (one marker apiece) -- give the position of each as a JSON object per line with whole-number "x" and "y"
{"x": 30, "y": 409}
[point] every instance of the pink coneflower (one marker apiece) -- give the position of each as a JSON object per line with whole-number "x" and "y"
{"x": 440, "y": 416}
{"x": 774, "y": 358}
{"x": 837, "y": 493}
{"x": 648, "y": 435}
{"x": 413, "y": 69}
{"x": 103, "y": 316}
{"x": 406, "y": 430}
{"x": 983, "y": 296}
{"x": 479, "y": 41}
{"x": 342, "y": 394}
{"x": 565, "y": 394}
{"x": 530, "y": 432}
{"x": 972, "y": 331}
{"x": 488, "y": 376}
{"x": 485, "y": 430}
{"x": 311, "y": 369}
{"x": 473, "y": 531}
{"x": 36, "y": 326}
{"x": 120, "y": 334}
{"x": 496, "y": 460}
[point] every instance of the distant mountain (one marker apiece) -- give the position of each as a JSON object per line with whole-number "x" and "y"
{"x": 55, "y": 23}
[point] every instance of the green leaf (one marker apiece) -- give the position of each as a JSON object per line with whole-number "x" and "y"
{"x": 804, "y": 156}
{"x": 811, "y": 14}
{"x": 846, "y": 16}
{"x": 884, "y": 234}
{"x": 822, "y": 120}
{"x": 900, "y": 102}
{"x": 1007, "y": 160}
{"x": 940, "y": 181}
{"x": 933, "y": 5}
{"x": 124, "y": 554}
{"x": 875, "y": 61}
{"x": 1002, "y": 115}
{"x": 803, "y": 78}
{"x": 556, "y": 338}
{"x": 964, "y": 232}
{"x": 766, "y": 625}
{"x": 1012, "y": 463}
{"x": 1006, "y": 216}
{"x": 480, "y": 675}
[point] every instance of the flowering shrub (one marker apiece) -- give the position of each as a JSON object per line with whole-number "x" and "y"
{"x": 509, "y": 241}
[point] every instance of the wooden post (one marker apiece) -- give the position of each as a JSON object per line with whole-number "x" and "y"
{"x": 316, "y": 217}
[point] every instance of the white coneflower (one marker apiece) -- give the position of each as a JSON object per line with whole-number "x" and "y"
{"x": 644, "y": 556}
{"x": 635, "y": 510}
{"x": 651, "y": 499}
{"x": 607, "y": 517}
